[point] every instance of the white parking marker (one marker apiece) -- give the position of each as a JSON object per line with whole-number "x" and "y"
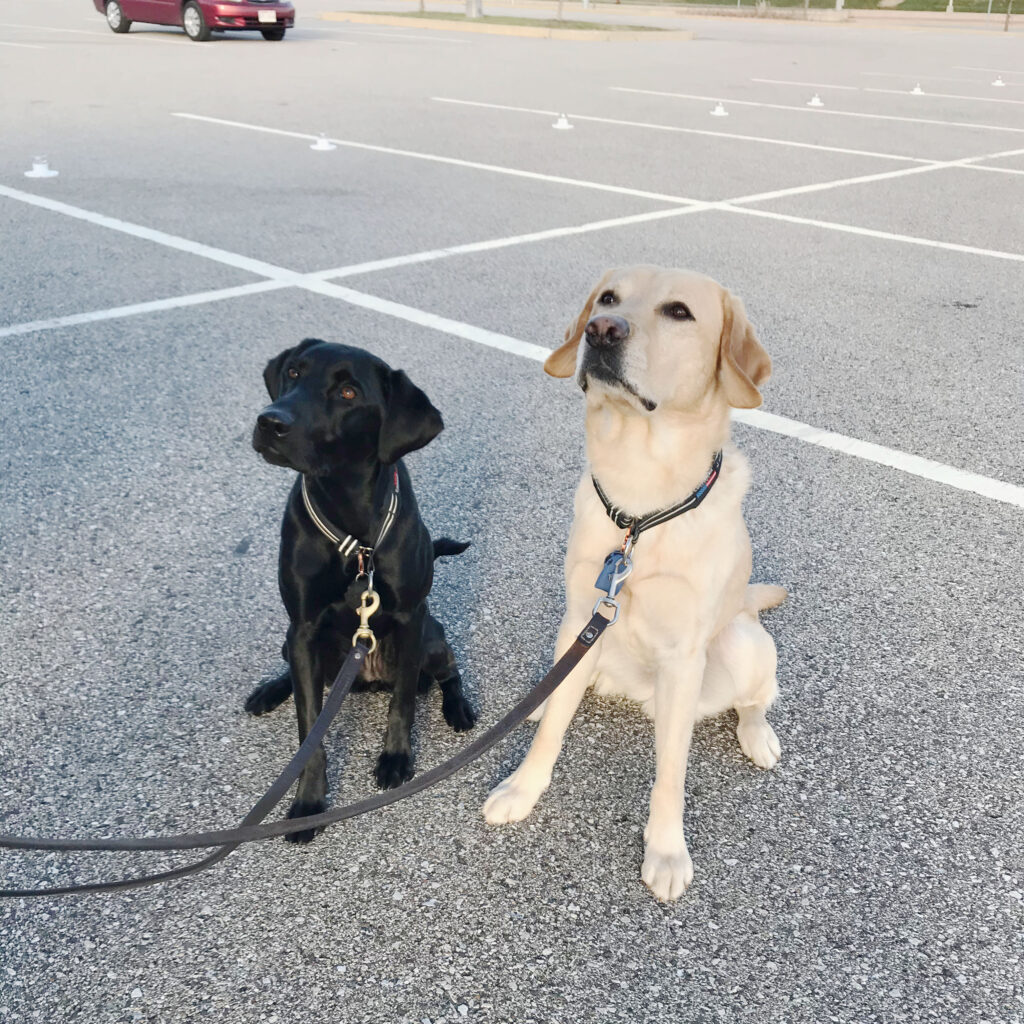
{"x": 41, "y": 169}
{"x": 837, "y": 113}
{"x": 22, "y": 46}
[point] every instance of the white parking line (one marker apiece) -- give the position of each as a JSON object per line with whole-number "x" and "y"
{"x": 995, "y": 71}
{"x": 923, "y": 165}
{"x": 809, "y": 85}
{"x": 1001, "y": 170}
{"x": 890, "y": 236}
{"x": 946, "y": 96}
{"x": 429, "y": 255}
{"x": 940, "y": 165}
{"x": 454, "y": 161}
{"x": 48, "y": 28}
{"x": 687, "y": 131}
{"x": 438, "y": 323}
{"x": 139, "y": 308}
{"x": 818, "y": 110}
{"x": 209, "y": 252}
{"x": 392, "y": 36}
{"x": 914, "y": 465}
{"x": 22, "y": 46}
{"x": 931, "y": 78}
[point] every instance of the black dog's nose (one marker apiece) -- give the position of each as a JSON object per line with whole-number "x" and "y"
{"x": 275, "y": 422}
{"x": 606, "y": 331}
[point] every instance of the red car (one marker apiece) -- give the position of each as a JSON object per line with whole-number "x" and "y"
{"x": 201, "y": 18}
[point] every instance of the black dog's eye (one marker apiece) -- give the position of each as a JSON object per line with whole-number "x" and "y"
{"x": 293, "y": 373}
{"x": 677, "y": 311}
{"x": 348, "y": 392}
{"x": 608, "y": 299}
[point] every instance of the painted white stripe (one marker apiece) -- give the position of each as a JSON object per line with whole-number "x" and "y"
{"x": 209, "y": 252}
{"x": 915, "y": 465}
{"x": 438, "y": 323}
{"x": 995, "y": 71}
{"x": 1001, "y": 170}
{"x": 501, "y": 243}
{"x": 435, "y": 158}
{"x": 995, "y": 490}
{"x": 302, "y": 29}
{"x": 49, "y": 28}
{"x": 818, "y": 110}
{"x": 139, "y": 308}
{"x": 923, "y": 165}
{"x": 872, "y": 233}
{"x": 809, "y": 85}
{"x": 399, "y": 34}
{"x": 938, "y": 165}
{"x": 688, "y": 131}
{"x": 931, "y": 78}
{"x": 22, "y": 46}
{"x": 946, "y": 96}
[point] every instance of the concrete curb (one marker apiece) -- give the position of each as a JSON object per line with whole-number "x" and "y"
{"x": 530, "y": 31}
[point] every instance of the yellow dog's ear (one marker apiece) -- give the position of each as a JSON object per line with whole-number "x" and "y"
{"x": 743, "y": 365}
{"x": 562, "y": 362}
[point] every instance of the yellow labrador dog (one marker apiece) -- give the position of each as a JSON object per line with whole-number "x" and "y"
{"x": 664, "y": 356}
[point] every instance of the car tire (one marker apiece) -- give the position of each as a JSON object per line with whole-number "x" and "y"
{"x": 272, "y": 35}
{"x": 194, "y": 23}
{"x": 115, "y": 17}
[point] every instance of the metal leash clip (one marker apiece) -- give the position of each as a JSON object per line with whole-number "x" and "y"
{"x": 616, "y": 569}
{"x": 369, "y": 602}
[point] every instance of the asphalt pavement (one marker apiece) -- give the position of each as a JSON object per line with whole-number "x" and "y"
{"x": 875, "y": 876}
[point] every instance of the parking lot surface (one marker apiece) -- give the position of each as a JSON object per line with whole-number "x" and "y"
{"x": 192, "y": 233}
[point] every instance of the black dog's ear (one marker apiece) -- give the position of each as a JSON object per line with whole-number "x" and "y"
{"x": 272, "y": 371}
{"x": 410, "y": 421}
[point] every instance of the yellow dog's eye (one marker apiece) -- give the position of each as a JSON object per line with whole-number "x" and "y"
{"x": 293, "y": 373}
{"x": 348, "y": 392}
{"x": 677, "y": 311}
{"x": 607, "y": 299}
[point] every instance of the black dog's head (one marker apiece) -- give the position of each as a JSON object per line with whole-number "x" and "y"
{"x": 334, "y": 404}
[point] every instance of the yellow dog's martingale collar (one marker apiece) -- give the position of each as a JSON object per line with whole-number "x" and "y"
{"x": 635, "y": 525}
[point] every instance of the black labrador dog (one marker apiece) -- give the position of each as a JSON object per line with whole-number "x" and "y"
{"x": 343, "y": 419}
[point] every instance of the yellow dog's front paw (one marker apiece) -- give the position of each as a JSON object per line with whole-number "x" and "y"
{"x": 667, "y": 873}
{"x": 511, "y": 800}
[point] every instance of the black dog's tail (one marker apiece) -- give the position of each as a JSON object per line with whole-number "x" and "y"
{"x": 446, "y": 546}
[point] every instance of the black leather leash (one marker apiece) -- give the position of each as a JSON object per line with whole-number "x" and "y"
{"x": 251, "y": 829}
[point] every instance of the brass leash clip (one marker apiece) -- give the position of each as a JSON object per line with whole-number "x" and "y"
{"x": 369, "y": 602}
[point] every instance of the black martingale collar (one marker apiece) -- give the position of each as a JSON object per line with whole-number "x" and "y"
{"x": 635, "y": 525}
{"x": 349, "y": 545}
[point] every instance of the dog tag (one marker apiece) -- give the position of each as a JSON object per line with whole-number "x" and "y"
{"x": 608, "y": 570}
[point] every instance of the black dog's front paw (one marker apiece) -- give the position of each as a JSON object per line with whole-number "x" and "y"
{"x": 393, "y": 769}
{"x": 269, "y": 695}
{"x": 302, "y": 809}
{"x": 459, "y": 713}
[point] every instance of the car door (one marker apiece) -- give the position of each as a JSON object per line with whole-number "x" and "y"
{"x": 156, "y": 12}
